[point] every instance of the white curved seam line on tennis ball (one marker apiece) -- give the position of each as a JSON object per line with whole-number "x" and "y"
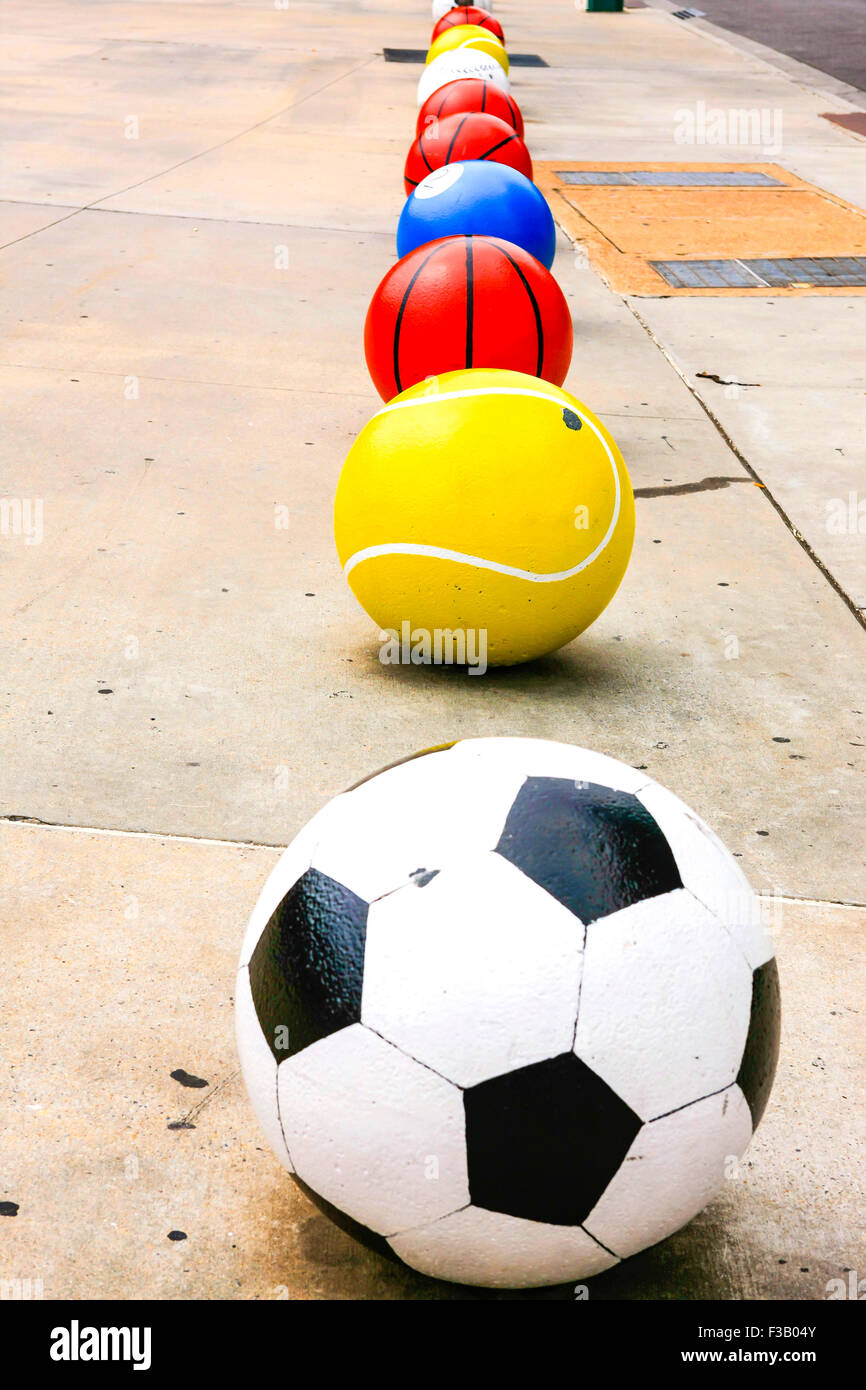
{"x": 484, "y": 391}
{"x": 436, "y": 552}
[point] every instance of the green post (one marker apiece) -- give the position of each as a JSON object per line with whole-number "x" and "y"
{"x": 608, "y": 5}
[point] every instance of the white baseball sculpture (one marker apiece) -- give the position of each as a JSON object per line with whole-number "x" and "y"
{"x": 460, "y": 62}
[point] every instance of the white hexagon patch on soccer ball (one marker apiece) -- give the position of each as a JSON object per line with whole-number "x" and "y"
{"x": 506, "y": 1010}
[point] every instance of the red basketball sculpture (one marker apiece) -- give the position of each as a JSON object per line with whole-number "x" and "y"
{"x": 466, "y": 301}
{"x": 468, "y": 14}
{"x": 472, "y": 135}
{"x": 469, "y": 94}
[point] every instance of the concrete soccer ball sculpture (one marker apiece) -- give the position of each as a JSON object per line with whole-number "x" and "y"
{"x": 506, "y": 1010}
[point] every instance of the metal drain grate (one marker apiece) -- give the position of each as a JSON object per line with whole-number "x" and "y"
{"x": 660, "y": 178}
{"x": 404, "y": 55}
{"x": 827, "y": 272}
{"x": 419, "y": 55}
{"x": 689, "y": 14}
{"x": 527, "y": 60}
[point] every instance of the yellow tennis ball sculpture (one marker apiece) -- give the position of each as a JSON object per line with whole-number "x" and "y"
{"x": 470, "y": 36}
{"x": 485, "y": 502}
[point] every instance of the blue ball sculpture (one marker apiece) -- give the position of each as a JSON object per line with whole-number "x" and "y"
{"x": 478, "y": 198}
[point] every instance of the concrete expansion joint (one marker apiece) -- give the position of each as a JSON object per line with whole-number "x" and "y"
{"x": 858, "y": 612}
{"x": 33, "y": 823}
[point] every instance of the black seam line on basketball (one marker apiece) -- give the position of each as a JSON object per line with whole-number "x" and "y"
{"x": 507, "y": 141}
{"x": 414, "y": 182}
{"x": 454, "y": 138}
{"x": 401, "y": 311}
{"x": 484, "y": 96}
{"x": 696, "y": 1101}
{"x": 539, "y": 326}
{"x": 421, "y": 152}
{"x": 411, "y": 1056}
{"x": 470, "y": 303}
{"x": 588, "y": 1232}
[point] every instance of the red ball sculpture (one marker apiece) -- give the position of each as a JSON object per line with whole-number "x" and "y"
{"x": 469, "y": 94}
{"x": 472, "y": 135}
{"x": 468, "y": 14}
{"x": 466, "y": 301}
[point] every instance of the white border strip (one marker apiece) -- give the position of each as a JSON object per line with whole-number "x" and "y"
{"x": 373, "y": 552}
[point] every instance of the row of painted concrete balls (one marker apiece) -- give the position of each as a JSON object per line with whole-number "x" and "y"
{"x": 476, "y": 238}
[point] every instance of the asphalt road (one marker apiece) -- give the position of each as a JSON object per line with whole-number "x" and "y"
{"x": 827, "y": 34}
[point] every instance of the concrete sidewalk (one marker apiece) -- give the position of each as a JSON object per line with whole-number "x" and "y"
{"x": 182, "y": 667}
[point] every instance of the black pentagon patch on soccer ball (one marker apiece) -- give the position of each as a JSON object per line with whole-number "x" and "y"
{"x": 307, "y": 970}
{"x": 594, "y": 849}
{"x": 544, "y": 1141}
{"x": 761, "y": 1053}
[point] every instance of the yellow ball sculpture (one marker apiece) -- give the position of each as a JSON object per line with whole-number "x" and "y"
{"x": 471, "y": 37}
{"x": 489, "y": 503}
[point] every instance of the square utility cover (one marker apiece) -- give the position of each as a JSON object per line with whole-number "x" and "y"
{"x": 702, "y": 229}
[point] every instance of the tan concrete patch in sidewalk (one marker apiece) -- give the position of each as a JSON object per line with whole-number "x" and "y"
{"x": 628, "y": 229}
{"x": 120, "y": 954}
